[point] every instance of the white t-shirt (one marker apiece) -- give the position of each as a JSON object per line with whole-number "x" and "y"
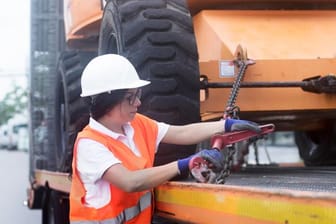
{"x": 93, "y": 159}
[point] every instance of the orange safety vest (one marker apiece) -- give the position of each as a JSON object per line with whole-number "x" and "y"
{"x": 135, "y": 207}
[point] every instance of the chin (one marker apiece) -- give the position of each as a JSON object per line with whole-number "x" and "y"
{"x": 131, "y": 116}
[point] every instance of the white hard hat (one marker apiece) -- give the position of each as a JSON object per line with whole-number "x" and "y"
{"x": 109, "y": 72}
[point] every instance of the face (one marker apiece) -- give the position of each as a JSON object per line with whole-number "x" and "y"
{"x": 129, "y": 105}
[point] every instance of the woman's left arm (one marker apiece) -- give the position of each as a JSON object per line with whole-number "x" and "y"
{"x": 192, "y": 133}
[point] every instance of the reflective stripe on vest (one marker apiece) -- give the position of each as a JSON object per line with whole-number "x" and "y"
{"x": 127, "y": 214}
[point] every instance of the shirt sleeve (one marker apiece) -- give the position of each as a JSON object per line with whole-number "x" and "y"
{"x": 93, "y": 159}
{"x": 162, "y": 130}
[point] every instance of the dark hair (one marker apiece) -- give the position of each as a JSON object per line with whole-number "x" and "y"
{"x": 99, "y": 105}
{"x": 104, "y": 102}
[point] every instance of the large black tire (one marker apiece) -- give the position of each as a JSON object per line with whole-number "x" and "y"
{"x": 56, "y": 208}
{"x": 70, "y": 107}
{"x": 65, "y": 111}
{"x": 157, "y": 37}
{"x": 317, "y": 148}
{"x": 55, "y": 108}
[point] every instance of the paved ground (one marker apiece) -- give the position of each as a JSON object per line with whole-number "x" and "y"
{"x": 14, "y": 182}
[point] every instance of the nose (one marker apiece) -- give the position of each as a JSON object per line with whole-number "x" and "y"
{"x": 137, "y": 102}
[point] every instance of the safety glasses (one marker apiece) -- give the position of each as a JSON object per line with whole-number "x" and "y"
{"x": 131, "y": 97}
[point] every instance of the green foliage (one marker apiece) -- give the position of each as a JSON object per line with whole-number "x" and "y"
{"x": 14, "y": 102}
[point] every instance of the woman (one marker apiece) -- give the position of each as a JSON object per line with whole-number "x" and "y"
{"x": 113, "y": 173}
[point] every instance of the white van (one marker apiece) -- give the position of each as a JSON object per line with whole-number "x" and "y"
{"x": 14, "y": 134}
{"x": 4, "y": 139}
{"x": 23, "y": 138}
{"x": 9, "y": 137}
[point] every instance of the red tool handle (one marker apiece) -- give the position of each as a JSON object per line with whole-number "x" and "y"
{"x": 219, "y": 141}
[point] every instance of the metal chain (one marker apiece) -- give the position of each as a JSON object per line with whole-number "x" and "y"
{"x": 227, "y": 166}
{"x": 232, "y": 111}
{"x": 236, "y": 85}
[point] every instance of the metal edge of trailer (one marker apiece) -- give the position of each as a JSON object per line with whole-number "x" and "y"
{"x": 55, "y": 180}
{"x": 46, "y": 180}
{"x": 208, "y": 203}
{"x": 192, "y": 202}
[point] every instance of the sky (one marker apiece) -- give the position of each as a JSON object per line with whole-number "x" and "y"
{"x": 14, "y": 44}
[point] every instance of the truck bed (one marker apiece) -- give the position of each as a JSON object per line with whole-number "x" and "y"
{"x": 254, "y": 195}
{"x": 264, "y": 194}
{"x": 314, "y": 179}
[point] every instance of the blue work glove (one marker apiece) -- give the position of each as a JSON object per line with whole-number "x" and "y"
{"x": 240, "y": 125}
{"x": 204, "y": 166}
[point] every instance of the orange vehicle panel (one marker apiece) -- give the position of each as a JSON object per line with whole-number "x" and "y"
{"x": 266, "y": 34}
{"x": 272, "y": 99}
{"x": 288, "y": 46}
{"x": 198, "y": 5}
{"x": 82, "y": 18}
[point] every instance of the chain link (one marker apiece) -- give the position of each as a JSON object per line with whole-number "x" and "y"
{"x": 227, "y": 165}
{"x": 232, "y": 111}
{"x": 236, "y": 85}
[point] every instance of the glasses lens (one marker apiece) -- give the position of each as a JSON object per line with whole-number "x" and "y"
{"x": 134, "y": 96}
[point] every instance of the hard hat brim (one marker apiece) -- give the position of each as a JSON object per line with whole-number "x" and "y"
{"x": 137, "y": 84}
